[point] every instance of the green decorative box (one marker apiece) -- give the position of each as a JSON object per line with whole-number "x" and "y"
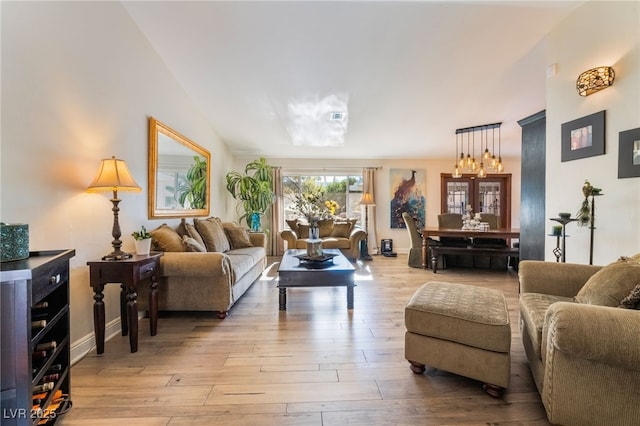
{"x": 14, "y": 241}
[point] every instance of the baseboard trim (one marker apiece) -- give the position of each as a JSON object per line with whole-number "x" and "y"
{"x": 84, "y": 345}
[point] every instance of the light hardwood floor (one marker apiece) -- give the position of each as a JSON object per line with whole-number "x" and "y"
{"x": 315, "y": 364}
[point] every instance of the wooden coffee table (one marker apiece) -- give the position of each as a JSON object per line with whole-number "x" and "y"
{"x": 337, "y": 272}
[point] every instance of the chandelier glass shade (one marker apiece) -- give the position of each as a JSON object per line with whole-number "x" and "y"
{"x": 488, "y": 160}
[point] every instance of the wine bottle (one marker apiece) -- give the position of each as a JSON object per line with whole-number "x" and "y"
{"x": 38, "y": 324}
{"x": 50, "y": 378}
{"x": 39, "y": 316}
{"x": 39, "y": 355}
{"x": 47, "y": 346}
{"x": 41, "y": 305}
{"x": 45, "y": 387}
{"x": 55, "y": 368}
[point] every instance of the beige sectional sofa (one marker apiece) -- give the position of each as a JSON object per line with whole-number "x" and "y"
{"x": 335, "y": 234}
{"x": 581, "y": 332}
{"x": 206, "y": 266}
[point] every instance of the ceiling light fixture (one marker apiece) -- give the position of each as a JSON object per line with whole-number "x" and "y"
{"x": 469, "y": 163}
{"x": 594, "y": 80}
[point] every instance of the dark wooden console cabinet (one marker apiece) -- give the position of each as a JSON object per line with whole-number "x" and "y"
{"x": 28, "y": 358}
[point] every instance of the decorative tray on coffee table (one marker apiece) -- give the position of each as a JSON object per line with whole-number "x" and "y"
{"x": 323, "y": 260}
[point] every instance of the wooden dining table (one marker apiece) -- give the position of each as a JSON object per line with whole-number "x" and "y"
{"x": 504, "y": 233}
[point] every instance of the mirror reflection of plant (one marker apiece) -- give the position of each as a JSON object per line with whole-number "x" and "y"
{"x": 253, "y": 189}
{"x": 192, "y": 190}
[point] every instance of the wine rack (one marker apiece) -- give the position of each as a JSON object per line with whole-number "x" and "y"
{"x": 36, "y": 382}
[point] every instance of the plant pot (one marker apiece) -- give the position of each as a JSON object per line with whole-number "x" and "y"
{"x": 143, "y": 247}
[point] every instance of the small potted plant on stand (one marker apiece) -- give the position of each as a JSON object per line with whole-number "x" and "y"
{"x": 142, "y": 241}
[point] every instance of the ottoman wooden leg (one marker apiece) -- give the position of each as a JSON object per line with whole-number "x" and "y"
{"x": 493, "y": 390}
{"x": 416, "y": 367}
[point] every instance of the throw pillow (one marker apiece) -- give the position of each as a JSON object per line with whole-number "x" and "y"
{"x": 341, "y": 230}
{"x": 325, "y": 227}
{"x": 191, "y": 244}
{"x": 293, "y": 224}
{"x": 165, "y": 238}
{"x": 181, "y": 229}
{"x": 303, "y": 230}
{"x": 193, "y": 233}
{"x": 611, "y": 284}
{"x": 212, "y": 234}
{"x": 632, "y": 301}
{"x": 238, "y": 237}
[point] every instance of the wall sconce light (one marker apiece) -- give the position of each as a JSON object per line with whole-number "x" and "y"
{"x": 594, "y": 80}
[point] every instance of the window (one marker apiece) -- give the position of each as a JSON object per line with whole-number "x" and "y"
{"x": 345, "y": 189}
{"x": 485, "y": 195}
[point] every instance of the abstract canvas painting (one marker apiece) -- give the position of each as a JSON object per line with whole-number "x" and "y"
{"x": 407, "y": 195}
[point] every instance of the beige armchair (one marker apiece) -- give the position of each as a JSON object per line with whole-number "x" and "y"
{"x": 337, "y": 235}
{"x": 585, "y": 357}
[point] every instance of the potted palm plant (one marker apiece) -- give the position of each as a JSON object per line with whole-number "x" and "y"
{"x": 253, "y": 190}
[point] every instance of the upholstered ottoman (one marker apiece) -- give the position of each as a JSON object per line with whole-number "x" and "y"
{"x": 462, "y": 329}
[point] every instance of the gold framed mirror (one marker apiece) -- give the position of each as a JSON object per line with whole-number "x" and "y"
{"x": 179, "y": 174}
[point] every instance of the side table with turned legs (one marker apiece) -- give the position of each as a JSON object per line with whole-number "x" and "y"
{"x": 128, "y": 273}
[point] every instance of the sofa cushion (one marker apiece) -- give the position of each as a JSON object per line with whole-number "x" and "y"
{"x": 632, "y": 301}
{"x": 238, "y": 237}
{"x": 303, "y": 230}
{"x": 192, "y": 245}
{"x": 611, "y": 284}
{"x": 193, "y": 233}
{"x": 325, "y": 227}
{"x": 212, "y": 234}
{"x": 341, "y": 229}
{"x": 165, "y": 238}
{"x": 241, "y": 263}
{"x": 293, "y": 224}
{"x": 336, "y": 243}
{"x": 181, "y": 229}
{"x": 533, "y": 307}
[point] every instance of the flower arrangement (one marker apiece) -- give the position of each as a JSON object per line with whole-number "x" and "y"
{"x": 141, "y": 235}
{"x": 332, "y": 206}
{"x": 313, "y": 206}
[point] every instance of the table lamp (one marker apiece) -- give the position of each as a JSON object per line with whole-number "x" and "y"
{"x": 114, "y": 176}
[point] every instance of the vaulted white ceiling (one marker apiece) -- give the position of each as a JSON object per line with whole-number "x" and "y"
{"x": 408, "y": 73}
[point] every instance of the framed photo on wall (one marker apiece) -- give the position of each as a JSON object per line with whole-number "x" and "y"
{"x": 583, "y": 137}
{"x": 629, "y": 153}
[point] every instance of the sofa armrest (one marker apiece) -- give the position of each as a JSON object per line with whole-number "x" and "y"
{"x": 194, "y": 264}
{"x": 558, "y": 279}
{"x": 357, "y": 235}
{"x": 600, "y": 334}
{"x": 290, "y": 237}
{"x": 258, "y": 239}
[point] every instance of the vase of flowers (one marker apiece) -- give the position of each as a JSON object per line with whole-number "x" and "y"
{"x": 142, "y": 241}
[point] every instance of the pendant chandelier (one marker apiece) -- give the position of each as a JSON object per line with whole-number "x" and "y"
{"x": 488, "y": 160}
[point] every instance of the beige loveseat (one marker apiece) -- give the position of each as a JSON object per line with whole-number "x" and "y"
{"x": 206, "y": 266}
{"x": 584, "y": 350}
{"x": 343, "y": 235}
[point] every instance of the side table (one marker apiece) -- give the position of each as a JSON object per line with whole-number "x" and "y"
{"x": 128, "y": 273}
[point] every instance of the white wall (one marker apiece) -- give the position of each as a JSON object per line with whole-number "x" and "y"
{"x": 596, "y": 34}
{"x": 78, "y": 84}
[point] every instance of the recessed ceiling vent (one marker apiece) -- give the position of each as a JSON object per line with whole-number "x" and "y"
{"x": 337, "y": 116}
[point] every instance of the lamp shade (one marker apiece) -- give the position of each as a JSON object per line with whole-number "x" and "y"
{"x": 113, "y": 175}
{"x": 367, "y": 199}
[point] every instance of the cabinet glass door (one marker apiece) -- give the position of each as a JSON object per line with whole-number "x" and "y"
{"x": 487, "y": 195}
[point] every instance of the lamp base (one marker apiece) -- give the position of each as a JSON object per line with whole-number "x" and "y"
{"x": 364, "y": 251}
{"x": 117, "y": 255}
